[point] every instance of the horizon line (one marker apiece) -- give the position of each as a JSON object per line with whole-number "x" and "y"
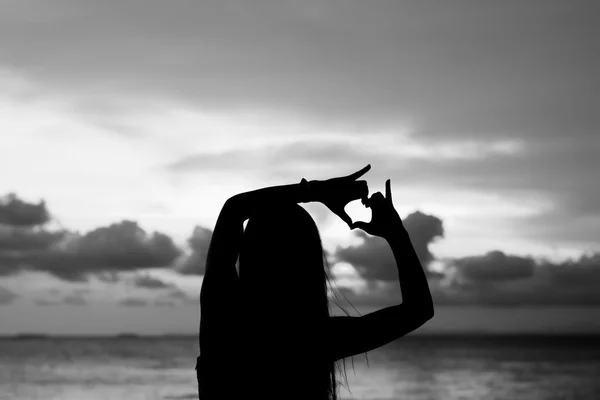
{"x": 129, "y": 335}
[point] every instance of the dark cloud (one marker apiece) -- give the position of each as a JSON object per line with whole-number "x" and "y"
{"x": 373, "y": 258}
{"x": 195, "y": 262}
{"x": 133, "y": 302}
{"x": 583, "y": 271}
{"x": 17, "y": 212}
{"x": 24, "y": 239}
{"x": 149, "y": 282}
{"x": 6, "y": 296}
{"x": 495, "y": 266}
{"x": 10, "y": 263}
{"x": 572, "y": 283}
{"x": 104, "y": 252}
{"x": 496, "y": 279}
{"x": 423, "y": 229}
{"x": 125, "y": 245}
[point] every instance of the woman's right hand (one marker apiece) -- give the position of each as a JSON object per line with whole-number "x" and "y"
{"x": 384, "y": 217}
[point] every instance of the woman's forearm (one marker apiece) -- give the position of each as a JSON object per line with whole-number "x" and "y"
{"x": 413, "y": 281}
{"x": 246, "y": 202}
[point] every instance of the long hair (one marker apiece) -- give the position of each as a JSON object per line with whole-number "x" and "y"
{"x": 284, "y": 279}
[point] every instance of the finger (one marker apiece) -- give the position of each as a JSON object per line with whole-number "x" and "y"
{"x": 375, "y": 198}
{"x": 345, "y": 217}
{"x": 363, "y": 190}
{"x": 360, "y": 225}
{"x": 360, "y": 173}
{"x": 388, "y": 190}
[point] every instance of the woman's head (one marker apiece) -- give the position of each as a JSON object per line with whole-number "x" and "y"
{"x": 282, "y": 261}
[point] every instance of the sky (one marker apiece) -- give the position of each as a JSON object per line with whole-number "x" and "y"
{"x": 125, "y": 125}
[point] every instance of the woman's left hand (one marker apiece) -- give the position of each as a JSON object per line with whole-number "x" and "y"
{"x": 336, "y": 193}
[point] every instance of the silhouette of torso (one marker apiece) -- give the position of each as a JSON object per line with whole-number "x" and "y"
{"x": 272, "y": 358}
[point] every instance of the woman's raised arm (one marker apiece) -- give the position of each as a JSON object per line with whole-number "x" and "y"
{"x": 355, "y": 335}
{"x": 219, "y": 295}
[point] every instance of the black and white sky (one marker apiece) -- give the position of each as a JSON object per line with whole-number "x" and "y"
{"x": 125, "y": 125}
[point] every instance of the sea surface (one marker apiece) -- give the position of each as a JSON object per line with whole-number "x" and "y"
{"x": 412, "y": 368}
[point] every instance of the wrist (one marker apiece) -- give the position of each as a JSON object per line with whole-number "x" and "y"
{"x": 396, "y": 232}
{"x": 314, "y": 190}
{"x": 304, "y": 191}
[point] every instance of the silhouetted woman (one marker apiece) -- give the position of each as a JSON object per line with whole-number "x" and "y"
{"x": 265, "y": 331}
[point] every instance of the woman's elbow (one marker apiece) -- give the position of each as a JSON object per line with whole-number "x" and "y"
{"x": 427, "y": 312}
{"x": 422, "y": 312}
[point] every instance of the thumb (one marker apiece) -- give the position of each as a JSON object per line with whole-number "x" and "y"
{"x": 345, "y": 217}
{"x": 360, "y": 225}
{"x": 341, "y": 212}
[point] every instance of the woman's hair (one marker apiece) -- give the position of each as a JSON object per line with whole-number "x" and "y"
{"x": 284, "y": 277}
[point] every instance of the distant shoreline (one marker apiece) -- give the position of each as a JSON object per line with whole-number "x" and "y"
{"x": 429, "y": 335}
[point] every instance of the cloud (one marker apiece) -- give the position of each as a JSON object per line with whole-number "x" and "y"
{"x": 24, "y": 239}
{"x": 149, "y": 282}
{"x": 283, "y": 159}
{"x": 423, "y": 229}
{"x": 10, "y": 264}
{"x": 495, "y": 266}
{"x": 17, "y": 212}
{"x": 125, "y": 245}
{"x": 583, "y": 271}
{"x": 444, "y": 73}
{"x": 6, "y": 296}
{"x": 104, "y": 251}
{"x": 521, "y": 171}
{"x": 496, "y": 279}
{"x": 571, "y": 283}
{"x": 373, "y": 258}
{"x": 195, "y": 262}
{"x": 176, "y": 296}
{"x": 467, "y": 69}
{"x": 133, "y": 302}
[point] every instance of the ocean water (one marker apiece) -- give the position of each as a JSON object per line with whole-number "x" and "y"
{"x": 412, "y": 368}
